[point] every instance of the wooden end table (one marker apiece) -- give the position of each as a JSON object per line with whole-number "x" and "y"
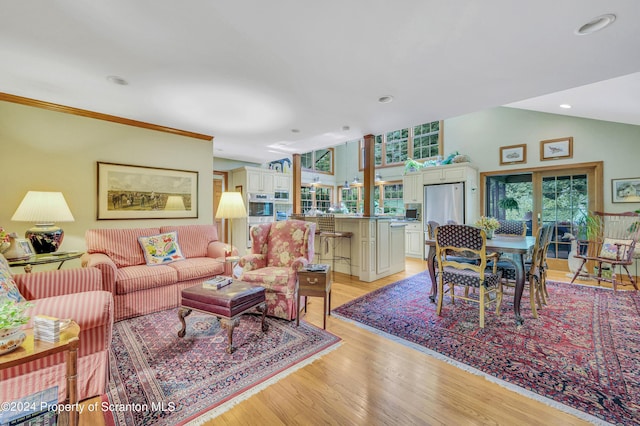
{"x": 316, "y": 284}
{"x": 32, "y": 350}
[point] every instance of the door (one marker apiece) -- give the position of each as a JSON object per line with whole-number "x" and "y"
{"x": 563, "y": 199}
{"x": 559, "y": 196}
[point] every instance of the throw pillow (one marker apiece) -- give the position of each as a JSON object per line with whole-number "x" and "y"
{"x": 8, "y": 288}
{"x": 610, "y": 249}
{"x": 161, "y": 249}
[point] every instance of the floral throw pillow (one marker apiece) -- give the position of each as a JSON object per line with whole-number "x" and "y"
{"x": 161, "y": 249}
{"x": 610, "y": 248}
{"x": 8, "y": 289}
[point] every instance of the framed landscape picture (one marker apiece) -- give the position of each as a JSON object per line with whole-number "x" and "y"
{"x": 513, "y": 154}
{"x": 625, "y": 190}
{"x": 139, "y": 192}
{"x": 556, "y": 149}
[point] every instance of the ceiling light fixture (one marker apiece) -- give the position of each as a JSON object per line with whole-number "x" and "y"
{"x": 117, "y": 80}
{"x": 355, "y": 181}
{"x": 385, "y": 99}
{"x": 596, "y": 24}
{"x": 378, "y": 177}
{"x": 345, "y": 128}
{"x": 565, "y": 106}
{"x": 295, "y": 130}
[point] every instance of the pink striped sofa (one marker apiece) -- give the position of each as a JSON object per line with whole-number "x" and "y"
{"x": 67, "y": 293}
{"x": 139, "y": 289}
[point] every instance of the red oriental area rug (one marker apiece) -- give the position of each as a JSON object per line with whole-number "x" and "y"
{"x": 582, "y": 355}
{"x": 158, "y": 378}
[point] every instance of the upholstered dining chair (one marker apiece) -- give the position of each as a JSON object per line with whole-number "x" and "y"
{"x": 511, "y": 227}
{"x": 453, "y": 240}
{"x": 278, "y": 251}
{"x": 535, "y": 270}
{"x": 431, "y": 228}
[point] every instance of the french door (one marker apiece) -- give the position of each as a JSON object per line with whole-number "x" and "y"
{"x": 559, "y": 196}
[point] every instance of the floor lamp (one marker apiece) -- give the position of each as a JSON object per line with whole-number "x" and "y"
{"x": 231, "y": 207}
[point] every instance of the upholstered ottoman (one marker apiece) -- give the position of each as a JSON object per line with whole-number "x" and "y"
{"x": 227, "y": 303}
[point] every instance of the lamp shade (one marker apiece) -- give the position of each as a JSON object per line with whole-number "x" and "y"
{"x": 174, "y": 202}
{"x": 231, "y": 206}
{"x": 44, "y": 208}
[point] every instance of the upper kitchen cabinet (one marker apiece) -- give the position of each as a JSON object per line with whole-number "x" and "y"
{"x": 260, "y": 180}
{"x": 282, "y": 182}
{"x": 412, "y": 188}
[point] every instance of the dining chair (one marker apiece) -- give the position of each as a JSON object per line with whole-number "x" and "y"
{"x": 535, "y": 270}
{"x": 431, "y": 229}
{"x": 511, "y": 227}
{"x": 451, "y": 242}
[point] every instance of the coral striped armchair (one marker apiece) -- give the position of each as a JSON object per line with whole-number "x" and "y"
{"x": 66, "y": 293}
{"x": 279, "y": 251}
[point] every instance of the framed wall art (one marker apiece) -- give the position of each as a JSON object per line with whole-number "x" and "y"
{"x": 513, "y": 154}
{"x": 625, "y": 190}
{"x": 556, "y": 149}
{"x": 139, "y": 192}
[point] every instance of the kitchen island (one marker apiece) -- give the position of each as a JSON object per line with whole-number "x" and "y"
{"x": 377, "y": 246}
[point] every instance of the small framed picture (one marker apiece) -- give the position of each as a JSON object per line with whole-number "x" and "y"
{"x": 625, "y": 190}
{"x": 26, "y": 246}
{"x": 556, "y": 149}
{"x": 513, "y": 154}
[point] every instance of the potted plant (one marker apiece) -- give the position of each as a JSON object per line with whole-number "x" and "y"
{"x": 489, "y": 224}
{"x": 12, "y": 316}
{"x": 508, "y": 203}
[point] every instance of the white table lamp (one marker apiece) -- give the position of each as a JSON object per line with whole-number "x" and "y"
{"x": 44, "y": 208}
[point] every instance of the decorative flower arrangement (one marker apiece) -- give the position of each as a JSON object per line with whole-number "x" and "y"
{"x": 12, "y": 314}
{"x": 488, "y": 223}
{"x": 4, "y": 235}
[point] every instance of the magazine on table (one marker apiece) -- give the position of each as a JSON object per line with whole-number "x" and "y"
{"x": 216, "y": 283}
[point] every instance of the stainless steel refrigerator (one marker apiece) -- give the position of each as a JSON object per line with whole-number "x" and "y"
{"x": 443, "y": 202}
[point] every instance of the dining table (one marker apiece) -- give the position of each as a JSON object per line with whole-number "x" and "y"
{"x": 516, "y": 245}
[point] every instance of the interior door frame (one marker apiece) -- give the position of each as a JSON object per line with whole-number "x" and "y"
{"x": 594, "y": 171}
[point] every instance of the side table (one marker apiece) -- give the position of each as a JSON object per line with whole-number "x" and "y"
{"x": 41, "y": 259}
{"x": 315, "y": 283}
{"x": 32, "y": 350}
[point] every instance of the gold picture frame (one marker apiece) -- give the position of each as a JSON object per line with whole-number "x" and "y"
{"x": 556, "y": 149}
{"x": 139, "y": 192}
{"x": 513, "y": 154}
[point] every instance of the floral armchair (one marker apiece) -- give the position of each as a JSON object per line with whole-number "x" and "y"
{"x": 279, "y": 250}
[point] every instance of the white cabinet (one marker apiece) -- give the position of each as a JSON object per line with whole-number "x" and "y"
{"x": 260, "y": 181}
{"x": 383, "y": 257}
{"x": 445, "y": 174}
{"x": 414, "y": 241}
{"x": 281, "y": 182}
{"x": 397, "y": 243}
{"x": 412, "y": 188}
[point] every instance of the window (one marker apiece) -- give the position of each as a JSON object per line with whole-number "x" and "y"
{"x": 320, "y": 160}
{"x": 394, "y": 148}
{"x": 318, "y": 200}
{"x": 389, "y": 195}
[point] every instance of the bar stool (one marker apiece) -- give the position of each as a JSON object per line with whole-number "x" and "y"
{"x": 329, "y": 237}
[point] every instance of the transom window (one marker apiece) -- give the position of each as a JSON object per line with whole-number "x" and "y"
{"x": 394, "y": 148}
{"x": 320, "y": 161}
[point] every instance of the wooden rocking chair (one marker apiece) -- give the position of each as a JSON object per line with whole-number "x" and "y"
{"x": 612, "y": 240}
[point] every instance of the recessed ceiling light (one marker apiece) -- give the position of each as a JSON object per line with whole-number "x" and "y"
{"x": 345, "y": 128}
{"x": 117, "y": 80}
{"x": 295, "y": 130}
{"x": 596, "y": 24}
{"x": 565, "y": 106}
{"x": 385, "y": 99}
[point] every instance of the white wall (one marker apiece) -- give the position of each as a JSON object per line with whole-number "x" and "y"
{"x": 481, "y": 134}
{"x": 52, "y": 151}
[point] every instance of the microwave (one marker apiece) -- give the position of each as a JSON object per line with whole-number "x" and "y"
{"x": 261, "y": 205}
{"x": 281, "y": 197}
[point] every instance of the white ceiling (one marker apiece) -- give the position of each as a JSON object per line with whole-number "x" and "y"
{"x": 249, "y": 71}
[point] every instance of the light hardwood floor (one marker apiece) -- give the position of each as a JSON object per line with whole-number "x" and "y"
{"x": 370, "y": 380}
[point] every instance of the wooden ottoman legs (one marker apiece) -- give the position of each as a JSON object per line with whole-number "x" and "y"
{"x": 182, "y": 313}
